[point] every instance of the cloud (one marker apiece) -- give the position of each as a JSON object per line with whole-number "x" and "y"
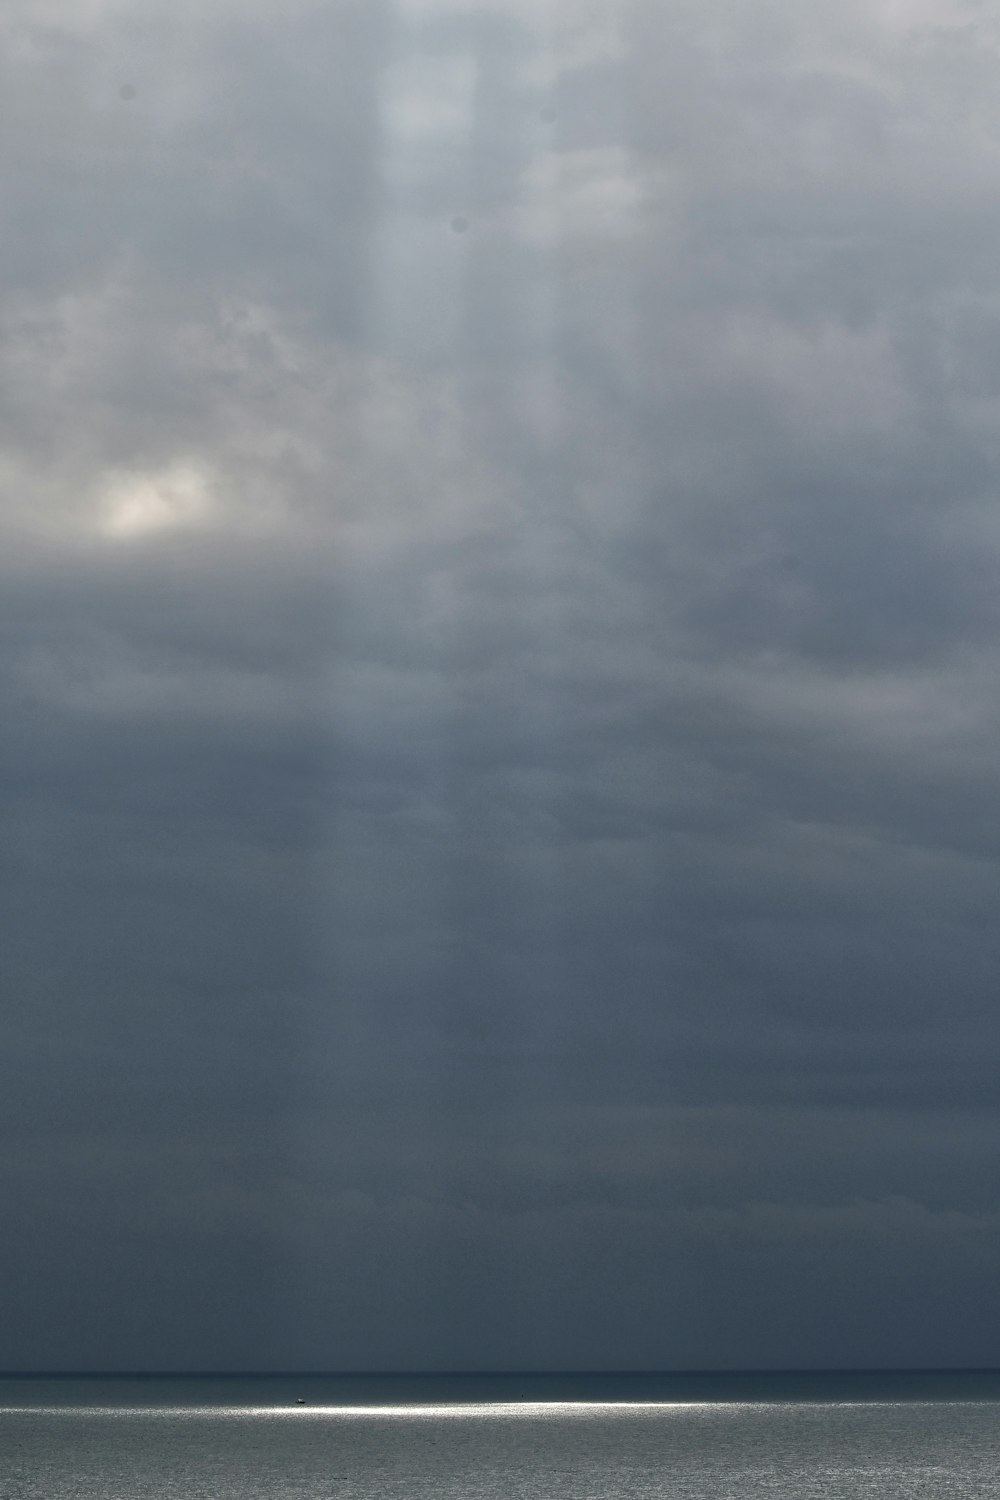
{"x": 498, "y": 727}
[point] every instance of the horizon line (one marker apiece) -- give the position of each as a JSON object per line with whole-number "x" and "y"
{"x": 148, "y": 1372}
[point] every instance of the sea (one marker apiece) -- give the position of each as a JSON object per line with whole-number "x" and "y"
{"x": 723, "y": 1436}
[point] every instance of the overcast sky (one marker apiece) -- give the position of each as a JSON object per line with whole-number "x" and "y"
{"x": 499, "y": 683}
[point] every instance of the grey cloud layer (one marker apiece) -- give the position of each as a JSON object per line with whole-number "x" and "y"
{"x": 498, "y": 726}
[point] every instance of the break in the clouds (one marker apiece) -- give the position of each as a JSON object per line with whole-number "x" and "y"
{"x": 498, "y": 571}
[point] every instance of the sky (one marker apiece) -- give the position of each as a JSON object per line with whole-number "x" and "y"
{"x": 499, "y": 666}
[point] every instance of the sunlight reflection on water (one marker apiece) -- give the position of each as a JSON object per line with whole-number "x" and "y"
{"x": 511, "y": 1450}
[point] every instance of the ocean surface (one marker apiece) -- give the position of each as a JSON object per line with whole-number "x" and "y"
{"x": 841, "y": 1436}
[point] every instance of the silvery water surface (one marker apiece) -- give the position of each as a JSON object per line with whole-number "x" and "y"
{"x": 566, "y": 1437}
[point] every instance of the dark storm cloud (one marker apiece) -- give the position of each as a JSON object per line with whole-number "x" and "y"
{"x": 498, "y": 728}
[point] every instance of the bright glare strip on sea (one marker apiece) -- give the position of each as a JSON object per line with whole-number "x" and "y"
{"x": 483, "y": 1409}
{"x": 415, "y": 1411}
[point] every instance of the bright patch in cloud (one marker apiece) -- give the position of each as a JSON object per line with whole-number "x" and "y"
{"x": 140, "y": 504}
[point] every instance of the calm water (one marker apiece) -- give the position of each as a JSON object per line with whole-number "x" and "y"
{"x": 569, "y": 1438}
